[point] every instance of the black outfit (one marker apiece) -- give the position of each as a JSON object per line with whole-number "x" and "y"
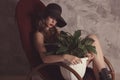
{"x": 53, "y": 72}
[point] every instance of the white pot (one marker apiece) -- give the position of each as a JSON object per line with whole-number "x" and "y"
{"x": 79, "y": 68}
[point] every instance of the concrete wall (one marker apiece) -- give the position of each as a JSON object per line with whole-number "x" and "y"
{"x": 100, "y": 17}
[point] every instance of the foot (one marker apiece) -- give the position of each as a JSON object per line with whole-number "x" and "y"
{"x": 104, "y": 74}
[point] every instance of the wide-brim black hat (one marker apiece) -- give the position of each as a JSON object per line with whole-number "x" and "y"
{"x": 54, "y": 10}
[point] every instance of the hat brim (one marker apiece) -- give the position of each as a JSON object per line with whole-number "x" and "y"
{"x": 61, "y": 22}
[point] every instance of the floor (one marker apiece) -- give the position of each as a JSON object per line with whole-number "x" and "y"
{"x": 12, "y": 78}
{"x": 18, "y": 77}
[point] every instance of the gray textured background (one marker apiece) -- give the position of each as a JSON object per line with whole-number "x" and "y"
{"x": 100, "y": 17}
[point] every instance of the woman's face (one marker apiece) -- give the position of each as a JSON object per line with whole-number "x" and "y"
{"x": 51, "y": 22}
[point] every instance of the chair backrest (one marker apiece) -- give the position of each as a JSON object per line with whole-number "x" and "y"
{"x": 24, "y": 10}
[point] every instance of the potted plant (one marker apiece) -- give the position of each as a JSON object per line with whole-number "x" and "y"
{"x": 74, "y": 44}
{"x": 77, "y": 46}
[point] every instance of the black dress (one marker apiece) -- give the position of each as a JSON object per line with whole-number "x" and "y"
{"x": 53, "y": 71}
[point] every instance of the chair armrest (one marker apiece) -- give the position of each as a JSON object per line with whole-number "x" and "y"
{"x": 58, "y": 64}
{"x": 112, "y": 72}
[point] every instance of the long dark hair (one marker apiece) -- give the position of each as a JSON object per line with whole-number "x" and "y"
{"x": 49, "y": 35}
{"x": 41, "y": 24}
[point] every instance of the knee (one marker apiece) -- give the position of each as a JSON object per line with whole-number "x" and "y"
{"x": 93, "y": 36}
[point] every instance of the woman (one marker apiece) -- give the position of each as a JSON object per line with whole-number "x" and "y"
{"x": 46, "y": 32}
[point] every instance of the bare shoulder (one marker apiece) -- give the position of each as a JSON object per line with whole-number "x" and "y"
{"x": 38, "y": 36}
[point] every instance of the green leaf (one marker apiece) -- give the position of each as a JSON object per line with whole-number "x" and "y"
{"x": 77, "y": 34}
{"x": 62, "y": 32}
{"x": 91, "y": 48}
{"x": 62, "y": 50}
{"x": 87, "y": 41}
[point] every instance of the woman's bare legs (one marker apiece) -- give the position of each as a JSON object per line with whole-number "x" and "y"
{"x": 99, "y": 60}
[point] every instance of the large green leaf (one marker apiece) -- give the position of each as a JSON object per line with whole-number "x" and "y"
{"x": 87, "y": 41}
{"x": 77, "y": 34}
{"x": 91, "y": 48}
{"x": 62, "y": 50}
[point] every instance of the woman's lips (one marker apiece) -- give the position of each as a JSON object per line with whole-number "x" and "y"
{"x": 51, "y": 25}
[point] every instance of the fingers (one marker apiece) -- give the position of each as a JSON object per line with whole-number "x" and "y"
{"x": 76, "y": 60}
{"x": 70, "y": 59}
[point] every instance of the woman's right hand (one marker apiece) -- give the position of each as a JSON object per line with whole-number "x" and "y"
{"x": 71, "y": 59}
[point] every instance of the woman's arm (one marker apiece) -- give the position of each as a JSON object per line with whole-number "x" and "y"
{"x": 39, "y": 44}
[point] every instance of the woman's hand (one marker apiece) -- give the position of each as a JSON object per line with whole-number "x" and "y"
{"x": 90, "y": 57}
{"x": 71, "y": 59}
